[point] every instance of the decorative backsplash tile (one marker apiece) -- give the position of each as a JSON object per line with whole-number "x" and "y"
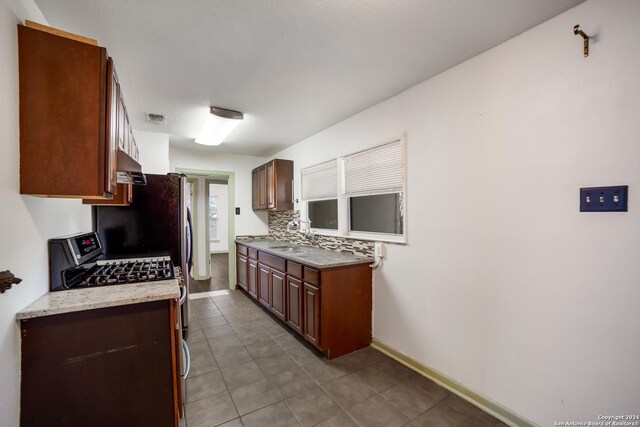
{"x": 278, "y": 230}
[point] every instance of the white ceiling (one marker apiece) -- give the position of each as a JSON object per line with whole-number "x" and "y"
{"x": 294, "y": 67}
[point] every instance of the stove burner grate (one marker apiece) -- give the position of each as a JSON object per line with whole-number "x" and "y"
{"x": 123, "y": 272}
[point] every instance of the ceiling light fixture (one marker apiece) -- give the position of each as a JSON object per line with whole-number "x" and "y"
{"x": 219, "y": 124}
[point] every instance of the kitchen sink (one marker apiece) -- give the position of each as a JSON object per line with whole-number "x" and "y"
{"x": 289, "y": 248}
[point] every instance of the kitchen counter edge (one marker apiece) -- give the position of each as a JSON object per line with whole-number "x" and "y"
{"x": 354, "y": 259}
{"x": 75, "y": 300}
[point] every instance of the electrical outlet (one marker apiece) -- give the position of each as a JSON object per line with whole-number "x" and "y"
{"x": 378, "y": 250}
{"x": 604, "y": 199}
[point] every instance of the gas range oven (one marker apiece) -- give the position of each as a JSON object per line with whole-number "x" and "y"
{"x": 74, "y": 264}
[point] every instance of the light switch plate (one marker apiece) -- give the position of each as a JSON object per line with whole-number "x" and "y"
{"x": 604, "y": 199}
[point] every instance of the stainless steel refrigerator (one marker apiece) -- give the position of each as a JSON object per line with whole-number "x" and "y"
{"x": 157, "y": 222}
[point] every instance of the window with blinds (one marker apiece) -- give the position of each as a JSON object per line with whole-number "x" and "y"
{"x": 378, "y": 170}
{"x": 360, "y": 195}
{"x": 320, "y": 181}
{"x": 320, "y": 191}
{"x": 374, "y": 185}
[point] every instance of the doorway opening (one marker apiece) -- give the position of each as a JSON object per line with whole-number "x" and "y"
{"x": 212, "y": 200}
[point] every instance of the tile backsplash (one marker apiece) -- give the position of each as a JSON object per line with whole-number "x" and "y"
{"x": 278, "y": 230}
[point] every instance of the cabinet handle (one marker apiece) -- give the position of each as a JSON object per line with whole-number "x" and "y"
{"x": 187, "y": 356}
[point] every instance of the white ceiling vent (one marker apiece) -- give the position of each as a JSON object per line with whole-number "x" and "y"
{"x": 156, "y": 119}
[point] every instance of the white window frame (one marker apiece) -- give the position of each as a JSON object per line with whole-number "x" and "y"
{"x": 382, "y": 237}
{"x": 344, "y": 211}
{"x": 316, "y": 230}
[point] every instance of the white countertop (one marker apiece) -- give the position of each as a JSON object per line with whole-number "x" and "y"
{"x": 101, "y": 297}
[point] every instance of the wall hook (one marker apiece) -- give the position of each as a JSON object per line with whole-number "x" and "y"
{"x": 578, "y": 32}
{"x": 7, "y": 280}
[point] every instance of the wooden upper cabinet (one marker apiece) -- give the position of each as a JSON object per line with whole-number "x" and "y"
{"x": 262, "y": 189}
{"x": 272, "y": 185}
{"x": 122, "y": 197}
{"x": 270, "y": 189}
{"x": 72, "y": 117}
{"x": 255, "y": 190}
{"x": 113, "y": 96}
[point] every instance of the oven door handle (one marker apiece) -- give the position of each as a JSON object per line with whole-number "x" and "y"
{"x": 183, "y": 295}
{"x": 187, "y": 356}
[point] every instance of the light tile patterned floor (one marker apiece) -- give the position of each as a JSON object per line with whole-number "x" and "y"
{"x": 249, "y": 370}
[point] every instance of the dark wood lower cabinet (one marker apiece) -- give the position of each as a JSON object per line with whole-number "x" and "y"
{"x": 278, "y": 293}
{"x": 294, "y": 303}
{"x": 116, "y": 366}
{"x": 312, "y": 314}
{"x": 252, "y": 280}
{"x": 242, "y": 270}
{"x": 264, "y": 285}
{"x": 330, "y": 308}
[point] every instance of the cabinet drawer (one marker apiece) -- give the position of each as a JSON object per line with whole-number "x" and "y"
{"x": 312, "y": 276}
{"x": 253, "y": 253}
{"x": 294, "y": 269}
{"x": 272, "y": 261}
{"x": 242, "y": 250}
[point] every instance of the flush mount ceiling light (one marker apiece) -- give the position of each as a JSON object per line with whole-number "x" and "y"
{"x": 219, "y": 124}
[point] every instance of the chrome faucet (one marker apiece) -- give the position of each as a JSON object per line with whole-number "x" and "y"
{"x": 295, "y": 224}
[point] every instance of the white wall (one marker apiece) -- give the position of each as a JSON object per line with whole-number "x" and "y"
{"x": 248, "y": 222}
{"x": 505, "y": 286}
{"x": 154, "y": 151}
{"x": 198, "y": 215}
{"x": 25, "y": 224}
{"x": 221, "y": 244}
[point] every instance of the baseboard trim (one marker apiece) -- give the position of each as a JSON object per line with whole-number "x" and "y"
{"x": 492, "y": 407}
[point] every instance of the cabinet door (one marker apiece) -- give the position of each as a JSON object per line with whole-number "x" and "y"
{"x": 87, "y": 352}
{"x": 111, "y": 146}
{"x": 127, "y": 132}
{"x": 242, "y": 265}
{"x": 278, "y": 293}
{"x": 312, "y": 314}
{"x": 176, "y": 342}
{"x": 121, "y": 121}
{"x": 264, "y": 285}
{"x": 294, "y": 303}
{"x": 262, "y": 178}
{"x": 255, "y": 189}
{"x": 271, "y": 184}
{"x": 252, "y": 280}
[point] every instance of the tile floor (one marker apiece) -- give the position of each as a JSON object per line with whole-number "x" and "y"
{"x": 249, "y": 370}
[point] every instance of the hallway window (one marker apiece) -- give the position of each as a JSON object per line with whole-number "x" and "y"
{"x": 213, "y": 217}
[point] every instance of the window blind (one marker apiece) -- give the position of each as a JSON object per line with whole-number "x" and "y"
{"x": 378, "y": 170}
{"x": 320, "y": 181}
